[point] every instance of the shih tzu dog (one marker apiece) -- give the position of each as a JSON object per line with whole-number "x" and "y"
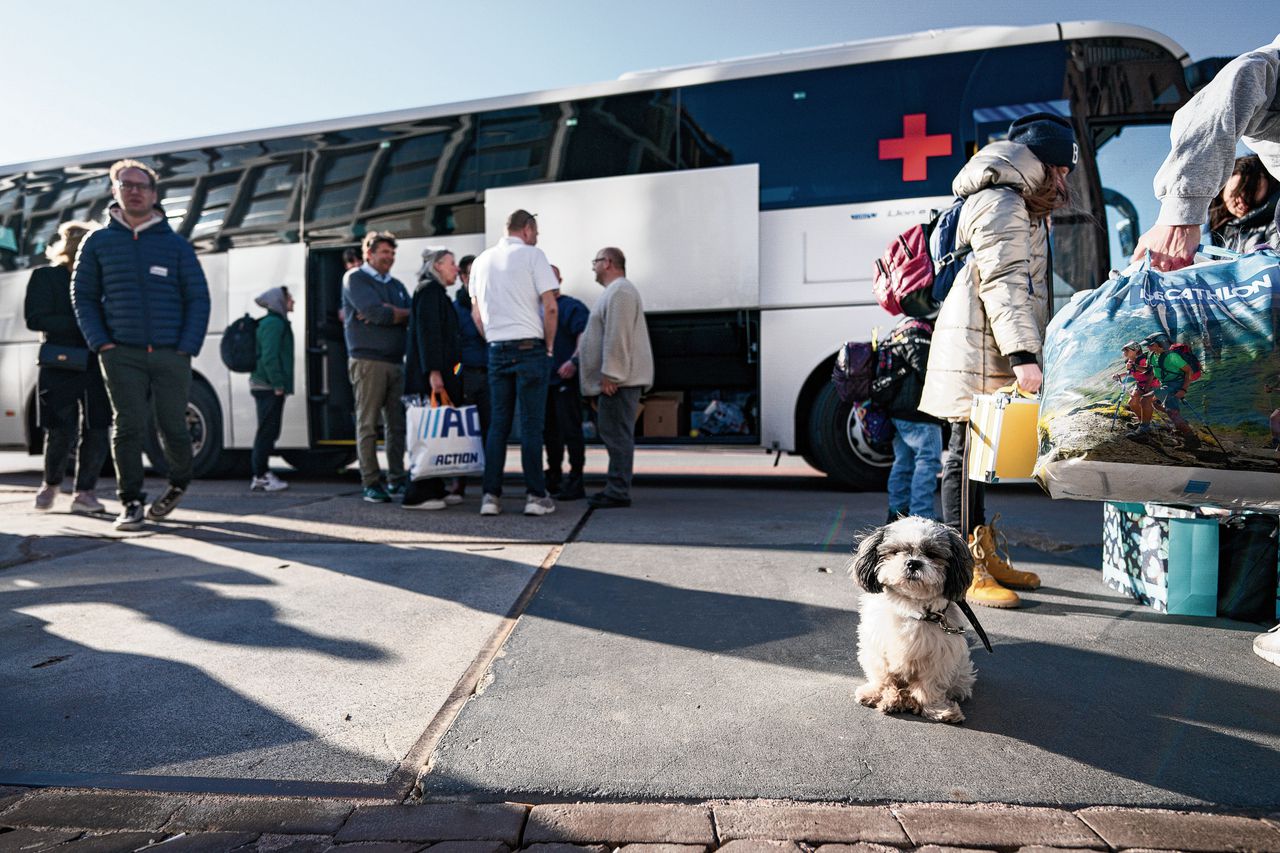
{"x": 910, "y": 641}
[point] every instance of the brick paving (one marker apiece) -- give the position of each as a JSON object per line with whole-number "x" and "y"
{"x": 88, "y": 821}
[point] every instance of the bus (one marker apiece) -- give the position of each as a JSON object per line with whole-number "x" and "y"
{"x": 751, "y": 197}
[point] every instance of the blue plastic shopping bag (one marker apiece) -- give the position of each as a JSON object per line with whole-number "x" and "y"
{"x": 1202, "y": 426}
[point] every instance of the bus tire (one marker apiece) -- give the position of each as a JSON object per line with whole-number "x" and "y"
{"x": 204, "y": 423}
{"x": 836, "y": 443}
{"x": 319, "y": 463}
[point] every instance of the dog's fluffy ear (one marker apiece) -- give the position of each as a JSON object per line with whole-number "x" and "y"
{"x": 959, "y": 567}
{"x": 865, "y": 560}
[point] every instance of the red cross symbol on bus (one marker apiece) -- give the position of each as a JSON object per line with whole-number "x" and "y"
{"x": 915, "y": 147}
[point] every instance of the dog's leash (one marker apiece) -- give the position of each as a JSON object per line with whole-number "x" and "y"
{"x": 977, "y": 626}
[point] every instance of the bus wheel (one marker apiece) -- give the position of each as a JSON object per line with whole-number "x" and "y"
{"x": 837, "y": 443}
{"x": 204, "y": 423}
{"x": 319, "y": 463}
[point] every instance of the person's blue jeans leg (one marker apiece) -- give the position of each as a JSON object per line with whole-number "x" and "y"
{"x": 926, "y": 444}
{"x": 532, "y": 371}
{"x": 904, "y": 462}
{"x": 502, "y": 403}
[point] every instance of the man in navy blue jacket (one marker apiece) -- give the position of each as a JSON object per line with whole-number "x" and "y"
{"x": 143, "y": 305}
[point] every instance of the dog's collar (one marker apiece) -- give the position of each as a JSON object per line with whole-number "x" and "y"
{"x": 938, "y": 617}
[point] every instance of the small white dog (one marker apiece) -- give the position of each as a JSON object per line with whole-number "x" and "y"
{"x": 910, "y": 641}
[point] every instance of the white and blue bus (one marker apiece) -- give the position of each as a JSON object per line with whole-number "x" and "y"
{"x": 751, "y": 197}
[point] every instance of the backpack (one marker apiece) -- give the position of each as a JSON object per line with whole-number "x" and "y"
{"x": 1187, "y": 355}
{"x": 240, "y": 345}
{"x": 908, "y": 279}
{"x": 854, "y": 370}
{"x": 892, "y": 367}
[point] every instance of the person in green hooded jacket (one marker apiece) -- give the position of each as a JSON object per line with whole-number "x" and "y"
{"x": 270, "y": 383}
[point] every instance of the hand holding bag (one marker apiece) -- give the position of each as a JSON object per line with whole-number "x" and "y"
{"x": 442, "y": 440}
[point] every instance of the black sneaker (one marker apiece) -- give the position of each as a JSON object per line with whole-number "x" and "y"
{"x": 165, "y": 504}
{"x": 602, "y": 501}
{"x": 130, "y": 517}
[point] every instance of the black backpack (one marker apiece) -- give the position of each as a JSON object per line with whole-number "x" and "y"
{"x": 854, "y": 369}
{"x": 240, "y": 345}
{"x": 893, "y": 370}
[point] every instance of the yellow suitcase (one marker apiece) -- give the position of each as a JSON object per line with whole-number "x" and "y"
{"x": 1002, "y": 437}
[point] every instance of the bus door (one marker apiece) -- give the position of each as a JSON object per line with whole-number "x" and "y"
{"x": 330, "y": 400}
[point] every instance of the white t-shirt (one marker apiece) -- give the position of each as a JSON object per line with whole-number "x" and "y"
{"x": 507, "y": 282}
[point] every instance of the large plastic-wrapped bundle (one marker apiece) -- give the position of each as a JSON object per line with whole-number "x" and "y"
{"x": 1166, "y": 387}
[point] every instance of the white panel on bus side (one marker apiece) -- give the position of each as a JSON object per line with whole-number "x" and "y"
{"x": 825, "y": 255}
{"x": 18, "y": 345}
{"x": 691, "y": 237}
{"x": 792, "y": 343}
{"x": 249, "y": 272}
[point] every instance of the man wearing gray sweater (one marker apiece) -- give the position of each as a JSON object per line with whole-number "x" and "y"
{"x": 616, "y": 365}
{"x": 376, "y": 313}
{"x": 1241, "y": 103}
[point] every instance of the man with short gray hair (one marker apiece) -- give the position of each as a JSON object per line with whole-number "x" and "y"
{"x": 616, "y": 361}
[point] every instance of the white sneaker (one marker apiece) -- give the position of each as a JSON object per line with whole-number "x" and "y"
{"x": 452, "y": 500}
{"x": 433, "y": 503}
{"x": 87, "y": 503}
{"x": 491, "y": 505}
{"x": 539, "y": 506}
{"x": 1267, "y": 646}
{"x": 268, "y": 483}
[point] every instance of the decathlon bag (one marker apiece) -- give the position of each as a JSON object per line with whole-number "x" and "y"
{"x": 442, "y": 440}
{"x": 1211, "y": 441}
{"x": 240, "y": 345}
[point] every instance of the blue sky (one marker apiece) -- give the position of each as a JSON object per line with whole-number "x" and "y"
{"x": 109, "y": 75}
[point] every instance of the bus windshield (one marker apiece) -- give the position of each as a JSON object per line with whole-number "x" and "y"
{"x": 1127, "y": 163}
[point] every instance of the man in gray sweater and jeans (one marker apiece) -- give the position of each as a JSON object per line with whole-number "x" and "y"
{"x": 616, "y": 364}
{"x": 1242, "y": 102}
{"x": 376, "y": 312}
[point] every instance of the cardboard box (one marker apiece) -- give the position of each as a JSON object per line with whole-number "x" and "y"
{"x": 661, "y": 414}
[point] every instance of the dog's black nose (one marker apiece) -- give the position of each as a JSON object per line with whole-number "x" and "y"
{"x": 914, "y": 565}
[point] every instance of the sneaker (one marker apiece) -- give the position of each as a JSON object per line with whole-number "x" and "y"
{"x": 1267, "y": 646}
{"x": 602, "y": 501}
{"x": 375, "y": 494}
{"x": 432, "y": 503}
{"x": 87, "y": 502}
{"x": 397, "y": 490}
{"x": 571, "y": 489}
{"x": 453, "y": 499}
{"x": 130, "y": 517}
{"x": 539, "y": 506}
{"x": 490, "y": 505}
{"x": 165, "y": 504}
{"x": 46, "y": 495}
{"x": 267, "y": 483}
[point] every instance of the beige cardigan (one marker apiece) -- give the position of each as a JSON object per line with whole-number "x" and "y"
{"x": 615, "y": 344}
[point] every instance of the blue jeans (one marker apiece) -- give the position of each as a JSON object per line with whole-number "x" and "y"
{"x": 917, "y": 459}
{"x": 518, "y": 371}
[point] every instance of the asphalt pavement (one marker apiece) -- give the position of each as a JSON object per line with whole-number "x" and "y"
{"x": 699, "y": 645}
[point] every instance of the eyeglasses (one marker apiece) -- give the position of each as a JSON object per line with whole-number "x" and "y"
{"x": 598, "y": 261}
{"x": 126, "y": 186}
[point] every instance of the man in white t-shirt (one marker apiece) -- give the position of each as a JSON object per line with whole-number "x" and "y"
{"x": 513, "y": 302}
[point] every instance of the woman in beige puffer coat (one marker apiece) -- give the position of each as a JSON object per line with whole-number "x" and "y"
{"x": 990, "y": 329}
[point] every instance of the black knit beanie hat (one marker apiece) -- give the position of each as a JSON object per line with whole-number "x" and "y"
{"x": 1049, "y": 137}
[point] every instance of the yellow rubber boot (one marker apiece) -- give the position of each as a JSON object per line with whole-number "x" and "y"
{"x": 984, "y": 550}
{"x": 985, "y": 590}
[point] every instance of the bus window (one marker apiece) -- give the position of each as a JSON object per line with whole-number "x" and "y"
{"x": 218, "y": 195}
{"x": 271, "y": 196}
{"x": 1128, "y": 158}
{"x": 513, "y": 146}
{"x": 621, "y": 135}
{"x": 176, "y": 201}
{"x": 409, "y": 170}
{"x": 339, "y": 189}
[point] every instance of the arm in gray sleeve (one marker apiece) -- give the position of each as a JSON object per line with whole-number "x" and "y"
{"x": 368, "y": 302}
{"x": 1205, "y": 132}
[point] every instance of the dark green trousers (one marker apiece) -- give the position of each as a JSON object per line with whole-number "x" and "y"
{"x": 135, "y": 380}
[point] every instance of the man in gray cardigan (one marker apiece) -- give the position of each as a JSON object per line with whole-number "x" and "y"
{"x": 376, "y": 312}
{"x": 616, "y": 365}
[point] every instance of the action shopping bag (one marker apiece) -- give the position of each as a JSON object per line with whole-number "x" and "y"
{"x": 442, "y": 440}
{"x": 1209, "y": 440}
